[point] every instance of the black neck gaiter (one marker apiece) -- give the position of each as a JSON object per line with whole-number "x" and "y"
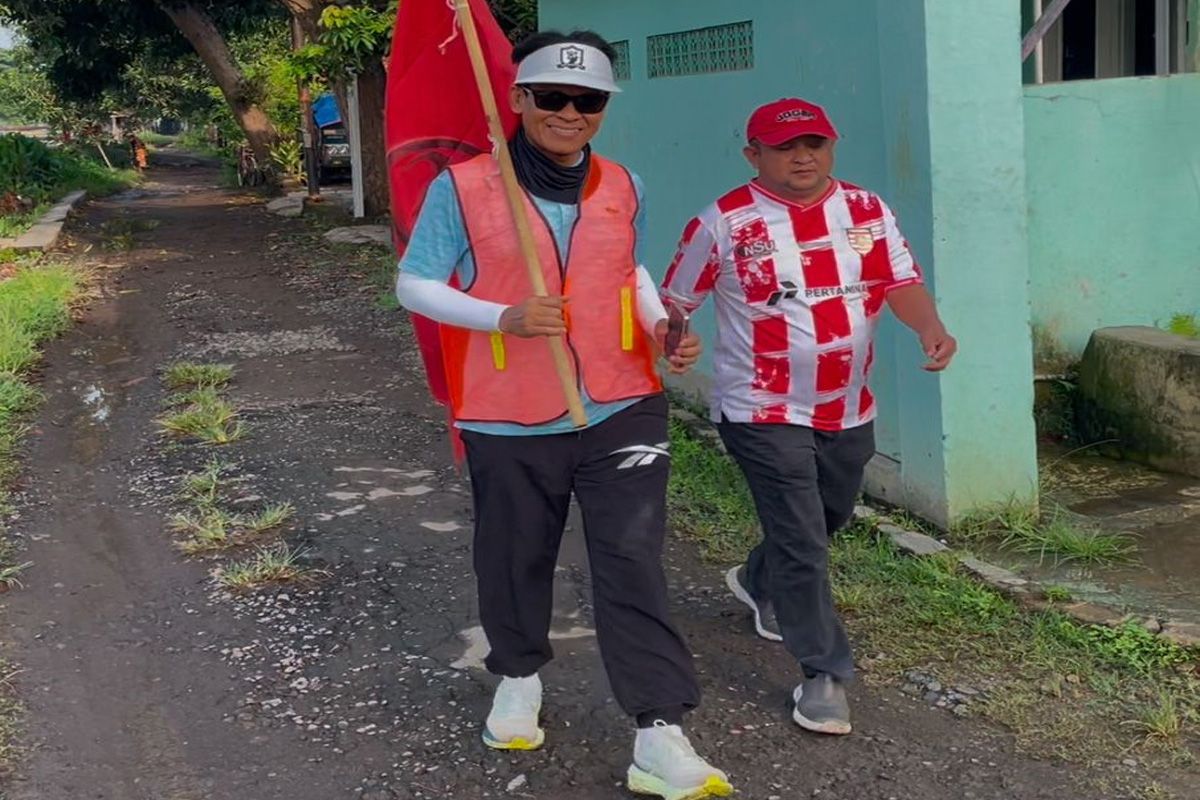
{"x": 543, "y": 177}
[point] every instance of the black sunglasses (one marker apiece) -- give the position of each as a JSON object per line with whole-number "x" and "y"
{"x": 554, "y": 100}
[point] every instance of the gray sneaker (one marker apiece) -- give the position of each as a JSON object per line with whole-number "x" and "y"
{"x": 764, "y": 615}
{"x": 821, "y": 705}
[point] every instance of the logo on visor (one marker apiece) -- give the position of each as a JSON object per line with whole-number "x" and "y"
{"x": 571, "y": 57}
{"x": 796, "y": 115}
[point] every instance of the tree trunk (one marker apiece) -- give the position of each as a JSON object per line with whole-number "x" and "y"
{"x": 372, "y": 85}
{"x": 308, "y": 13}
{"x": 200, "y": 30}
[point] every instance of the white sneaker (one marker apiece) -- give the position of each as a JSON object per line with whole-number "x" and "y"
{"x": 513, "y": 722}
{"x": 664, "y": 764}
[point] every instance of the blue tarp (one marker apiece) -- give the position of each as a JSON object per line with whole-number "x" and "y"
{"x": 326, "y": 112}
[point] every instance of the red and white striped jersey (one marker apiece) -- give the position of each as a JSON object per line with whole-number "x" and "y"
{"x": 798, "y": 290}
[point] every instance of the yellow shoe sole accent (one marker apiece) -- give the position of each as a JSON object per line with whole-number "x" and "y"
{"x": 517, "y": 743}
{"x": 642, "y": 782}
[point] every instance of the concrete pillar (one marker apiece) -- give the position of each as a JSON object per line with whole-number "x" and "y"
{"x": 968, "y": 436}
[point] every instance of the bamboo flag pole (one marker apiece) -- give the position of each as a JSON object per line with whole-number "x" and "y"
{"x": 516, "y": 203}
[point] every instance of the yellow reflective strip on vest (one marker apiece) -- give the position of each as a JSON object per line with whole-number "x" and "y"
{"x": 626, "y": 318}
{"x": 499, "y": 358}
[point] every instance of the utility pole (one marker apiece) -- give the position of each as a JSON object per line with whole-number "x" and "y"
{"x": 311, "y": 165}
{"x": 354, "y": 129}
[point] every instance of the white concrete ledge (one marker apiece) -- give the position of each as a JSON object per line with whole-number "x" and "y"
{"x": 45, "y": 232}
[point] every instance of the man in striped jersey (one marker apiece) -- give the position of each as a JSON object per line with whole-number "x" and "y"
{"x": 801, "y": 265}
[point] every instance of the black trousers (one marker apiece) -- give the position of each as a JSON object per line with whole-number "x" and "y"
{"x": 618, "y": 471}
{"x": 804, "y": 484}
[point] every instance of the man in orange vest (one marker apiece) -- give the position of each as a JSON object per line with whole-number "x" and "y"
{"x": 525, "y": 457}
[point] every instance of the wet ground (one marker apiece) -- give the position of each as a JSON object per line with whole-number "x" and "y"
{"x": 144, "y": 681}
{"x": 1160, "y": 511}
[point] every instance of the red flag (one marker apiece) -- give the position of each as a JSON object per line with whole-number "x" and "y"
{"x": 434, "y": 118}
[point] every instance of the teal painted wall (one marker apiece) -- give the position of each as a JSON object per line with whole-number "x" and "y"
{"x": 684, "y": 135}
{"x": 904, "y": 136}
{"x": 949, "y": 160}
{"x": 1114, "y": 203}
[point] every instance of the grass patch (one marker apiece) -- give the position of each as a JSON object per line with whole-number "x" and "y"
{"x": 382, "y": 274}
{"x": 208, "y": 526}
{"x": 203, "y": 488}
{"x": 13, "y": 225}
{"x": 228, "y": 173}
{"x": 272, "y": 517}
{"x": 195, "y": 140}
{"x": 29, "y": 168}
{"x": 1052, "y": 537}
{"x": 1064, "y": 689}
{"x": 1161, "y": 722}
{"x": 35, "y": 305}
{"x": 204, "y": 416}
{"x": 186, "y": 375}
{"x": 96, "y": 179}
{"x": 708, "y": 498}
{"x": 157, "y": 139}
{"x": 10, "y": 575}
{"x": 208, "y": 530}
{"x": 1058, "y": 684}
{"x": 1063, "y": 542}
{"x": 1184, "y": 325}
{"x": 10, "y": 718}
{"x": 1058, "y": 594}
{"x": 372, "y": 264}
{"x": 270, "y": 565}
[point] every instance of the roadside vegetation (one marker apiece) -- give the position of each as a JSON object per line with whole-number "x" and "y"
{"x": 1053, "y": 537}
{"x": 34, "y": 175}
{"x": 35, "y": 305}
{"x": 10, "y": 717}
{"x": 1184, "y": 325}
{"x": 1085, "y": 693}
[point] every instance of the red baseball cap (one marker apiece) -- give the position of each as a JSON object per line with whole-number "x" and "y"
{"x": 784, "y": 120}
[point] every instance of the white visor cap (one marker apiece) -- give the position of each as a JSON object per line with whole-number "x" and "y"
{"x": 568, "y": 64}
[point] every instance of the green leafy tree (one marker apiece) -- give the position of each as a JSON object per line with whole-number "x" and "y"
{"x": 28, "y": 97}
{"x": 87, "y": 46}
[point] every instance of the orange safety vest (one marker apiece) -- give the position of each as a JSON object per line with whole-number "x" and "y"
{"x": 494, "y": 377}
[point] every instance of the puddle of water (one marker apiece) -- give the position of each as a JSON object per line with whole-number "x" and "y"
{"x": 98, "y": 401}
{"x": 1163, "y": 578}
{"x": 94, "y": 398}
